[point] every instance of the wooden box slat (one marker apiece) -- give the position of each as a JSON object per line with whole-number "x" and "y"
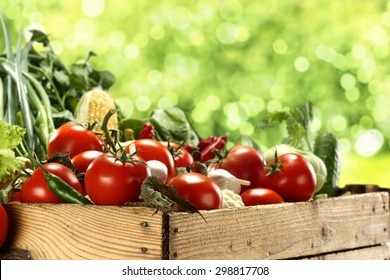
{"x": 282, "y": 231}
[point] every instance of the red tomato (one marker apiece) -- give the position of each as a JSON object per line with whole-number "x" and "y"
{"x": 198, "y": 189}
{"x": 82, "y": 160}
{"x": 3, "y": 225}
{"x": 259, "y": 196}
{"x": 114, "y": 182}
{"x": 150, "y": 149}
{"x": 295, "y": 179}
{"x": 245, "y": 163}
{"x": 72, "y": 139}
{"x": 181, "y": 156}
{"x": 35, "y": 189}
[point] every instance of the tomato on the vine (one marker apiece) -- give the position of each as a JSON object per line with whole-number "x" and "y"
{"x": 73, "y": 138}
{"x": 260, "y": 196}
{"x": 181, "y": 156}
{"x": 291, "y": 176}
{"x": 82, "y": 160}
{"x": 198, "y": 189}
{"x": 111, "y": 181}
{"x": 151, "y": 149}
{"x": 244, "y": 163}
{"x": 35, "y": 189}
{"x": 3, "y": 225}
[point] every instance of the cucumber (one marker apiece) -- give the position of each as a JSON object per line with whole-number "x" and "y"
{"x": 328, "y": 148}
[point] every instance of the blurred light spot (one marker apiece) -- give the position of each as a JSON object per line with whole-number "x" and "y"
{"x": 280, "y": 46}
{"x": 141, "y": 40}
{"x": 380, "y": 115}
{"x": 213, "y": 102}
{"x": 340, "y": 62}
{"x": 70, "y": 41}
{"x": 201, "y": 113}
{"x": 339, "y": 123}
{"x": 231, "y": 10}
{"x": 345, "y": 145}
{"x": 226, "y": 33}
{"x": 315, "y": 124}
{"x": 85, "y": 32}
{"x": 92, "y": 8}
{"x": 126, "y": 105}
{"x": 375, "y": 87}
{"x": 347, "y": 81}
{"x": 143, "y": 103}
{"x": 352, "y": 94}
{"x": 247, "y": 128}
{"x": 301, "y": 64}
{"x": 359, "y": 52}
{"x": 274, "y": 105}
{"x": 277, "y": 91}
{"x": 165, "y": 102}
{"x": 36, "y": 17}
{"x": 256, "y": 105}
{"x": 12, "y": 11}
{"x": 366, "y": 122}
{"x": 183, "y": 66}
{"x": 242, "y": 34}
{"x": 386, "y": 19}
{"x": 180, "y": 18}
{"x": 325, "y": 53}
{"x": 154, "y": 77}
{"x": 369, "y": 143}
{"x": 157, "y": 32}
{"x": 117, "y": 39}
{"x": 378, "y": 36}
{"x": 206, "y": 11}
{"x": 370, "y": 103}
{"x": 58, "y": 46}
{"x": 132, "y": 51}
{"x": 196, "y": 38}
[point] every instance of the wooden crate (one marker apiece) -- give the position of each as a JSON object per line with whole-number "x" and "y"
{"x": 346, "y": 227}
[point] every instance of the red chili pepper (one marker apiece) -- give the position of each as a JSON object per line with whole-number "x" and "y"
{"x": 206, "y": 142}
{"x": 147, "y": 131}
{"x": 208, "y": 152}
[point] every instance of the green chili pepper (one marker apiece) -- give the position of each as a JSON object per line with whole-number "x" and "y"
{"x": 61, "y": 189}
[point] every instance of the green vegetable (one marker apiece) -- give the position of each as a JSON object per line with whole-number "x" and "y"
{"x": 317, "y": 163}
{"x": 328, "y": 148}
{"x": 11, "y": 136}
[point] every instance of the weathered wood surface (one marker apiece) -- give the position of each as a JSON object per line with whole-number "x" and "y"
{"x": 282, "y": 231}
{"x": 380, "y": 252}
{"x": 63, "y": 231}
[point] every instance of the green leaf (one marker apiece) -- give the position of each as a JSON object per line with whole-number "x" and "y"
{"x": 39, "y": 37}
{"x": 171, "y": 124}
{"x": 130, "y": 123}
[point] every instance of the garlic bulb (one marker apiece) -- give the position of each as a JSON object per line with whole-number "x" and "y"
{"x": 225, "y": 180}
{"x": 158, "y": 169}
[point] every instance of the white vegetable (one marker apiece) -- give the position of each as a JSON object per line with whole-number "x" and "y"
{"x": 231, "y": 199}
{"x": 158, "y": 169}
{"x": 226, "y": 181}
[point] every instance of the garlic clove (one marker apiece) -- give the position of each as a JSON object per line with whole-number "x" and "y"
{"x": 225, "y": 180}
{"x": 158, "y": 169}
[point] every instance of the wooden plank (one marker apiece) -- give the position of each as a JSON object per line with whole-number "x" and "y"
{"x": 380, "y": 252}
{"x": 281, "y": 231}
{"x": 63, "y": 231}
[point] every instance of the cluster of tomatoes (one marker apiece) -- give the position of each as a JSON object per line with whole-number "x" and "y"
{"x": 116, "y": 178}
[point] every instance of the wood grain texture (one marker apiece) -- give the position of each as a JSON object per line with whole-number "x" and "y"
{"x": 63, "y": 231}
{"x": 282, "y": 231}
{"x": 380, "y": 252}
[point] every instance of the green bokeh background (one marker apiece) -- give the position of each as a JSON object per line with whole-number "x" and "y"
{"x": 229, "y": 63}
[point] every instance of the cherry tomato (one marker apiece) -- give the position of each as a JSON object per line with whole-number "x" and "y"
{"x": 259, "y": 196}
{"x": 3, "y": 225}
{"x": 245, "y": 163}
{"x": 294, "y": 178}
{"x": 150, "y": 149}
{"x": 198, "y": 189}
{"x": 181, "y": 156}
{"x": 72, "y": 139}
{"x": 82, "y": 160}
{"x": 35, "y": 189}
{"x": 114, "y": 182}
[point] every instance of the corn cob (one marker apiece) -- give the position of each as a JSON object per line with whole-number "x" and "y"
{"x": 93, "y": 105}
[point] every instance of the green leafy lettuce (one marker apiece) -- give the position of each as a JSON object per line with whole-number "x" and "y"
{"x": 10, "y": 137}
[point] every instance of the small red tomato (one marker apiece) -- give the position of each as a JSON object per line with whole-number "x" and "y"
{"x": 82, "y": 160}
{"x": 35, "y": 189}
{"x": 260, "y": 196}
{"x": 3, "y": 225}
{"x": 73, "y": 138}
{"x": 181, "y": 156}
{"x": 198, "y": 189}
{"x": 292, "y": 176}
{"x": 150, "y": 149}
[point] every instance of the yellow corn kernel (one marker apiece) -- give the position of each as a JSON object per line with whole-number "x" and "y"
{"x": 93, "y": 106}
